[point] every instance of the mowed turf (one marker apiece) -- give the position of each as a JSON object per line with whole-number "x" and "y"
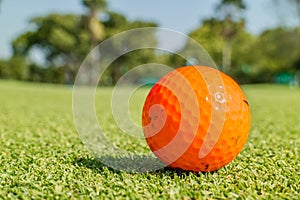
{"x": 41, "y": 155}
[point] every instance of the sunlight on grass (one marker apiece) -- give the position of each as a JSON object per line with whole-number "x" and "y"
{"x": 42, "y": 156}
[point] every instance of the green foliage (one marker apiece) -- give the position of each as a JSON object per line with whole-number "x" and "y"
{"x": 296, "y": 65}
{"x": 66, "y": 40}
{"x": 115, "y": 20}
{"x": 16, "y": 67}
{"x": 253, "y": 58}
{"x": 273, "y": 51}
{"x": 237, "y": 3}
{"x": 117, "y": 23}
{"x": 208, "y": 35}
{"x": 47, "y": 75}
{"x": 42, "y": 156}
{"x": 59, "y": 36}
{"x": 242, "y": 62}
{"x": 20, "y": 69}
{"x": 280, "y": 48}
{"x": 97, "y": 4}
{"x": 4, "y": 69}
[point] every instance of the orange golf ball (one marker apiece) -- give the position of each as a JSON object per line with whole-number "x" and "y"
{"x": 196, "y": 118}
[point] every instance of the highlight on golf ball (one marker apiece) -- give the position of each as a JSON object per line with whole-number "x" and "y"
{"x": 196, "y": 118}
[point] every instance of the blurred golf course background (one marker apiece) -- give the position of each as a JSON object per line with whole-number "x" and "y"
{"x": 52, "y": 46}
{"x": 41, "y": 154}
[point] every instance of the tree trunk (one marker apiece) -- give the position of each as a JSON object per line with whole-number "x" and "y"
{"x": 96, "y": 31}
{"x": 226, "y": 60}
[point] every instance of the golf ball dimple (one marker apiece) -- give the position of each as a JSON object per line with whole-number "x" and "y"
{"x": 196, "y": 118}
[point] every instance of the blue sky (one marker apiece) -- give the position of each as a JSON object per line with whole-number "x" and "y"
{"x": 179, "y": 15}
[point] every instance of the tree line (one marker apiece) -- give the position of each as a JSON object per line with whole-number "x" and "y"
{"x": 64, "y": 40}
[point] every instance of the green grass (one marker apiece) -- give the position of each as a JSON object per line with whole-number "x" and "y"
{"x": 42, "y": 156}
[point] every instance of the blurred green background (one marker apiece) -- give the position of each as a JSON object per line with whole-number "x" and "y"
{"x": 53, "y": 45}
